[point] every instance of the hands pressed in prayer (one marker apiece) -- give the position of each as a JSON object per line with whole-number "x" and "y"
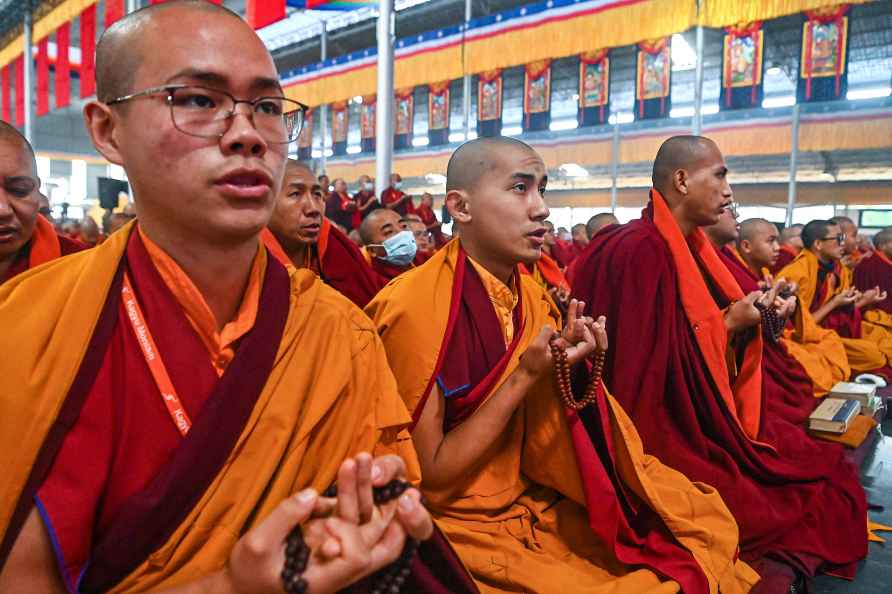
{"x": 870, "y": 297}
{"x": 580, "y": 337}
{"x": 349, "y": 536}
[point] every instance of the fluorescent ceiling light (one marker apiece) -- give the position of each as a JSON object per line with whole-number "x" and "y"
{"x": 328, "y": 152}
{"x": 352, "y": 150}
{"x": 316, "y": 154}
{"x": 573, "y": 170}
{"x": 683, "y": 55}
{"x": 435, "y": 178}
{"x": 681, "y": 112}
{"x": 709, "y": 109}
{"x": 358, "y": 100}
{"x": 774, "y": 71}
{"x": 624, "y": 117}
{"x": 420, "y": 141}
{"x": 512, "y": 131}
{"x": 871, "y": 93}
{"x": 783, "y": 101}
{"x": 456, "y": 137}
{"x": 563, "y": 125}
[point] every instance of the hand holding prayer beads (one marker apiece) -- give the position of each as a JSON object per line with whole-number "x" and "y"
{"x": 579, "y": 339}
{"x": 744, "y": 314}
{"x": 562, "y": 376}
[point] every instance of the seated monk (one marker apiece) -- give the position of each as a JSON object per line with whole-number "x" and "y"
{"x": 341, "y": 208}
{"x": 547, "y": 273}
{"x": 387, "y": 246}
{"x": 819, "y": 350}
{"x": 786, "y": 387}
{"x": 27, "y": 239}
{"x": 426, "y": 213}
{"x": 299, "y": 235}
{"x": 171, "y": 389}
{"x": 535, "y": 497}
{"x": 825, "y": 288}
{"x": 365, "y": 198}
{"x": 790, "y": 241}
{"x": 567, "y": 251}
{"x": 424, "y": 240}
{"x": 598, "y": 222}
{"x": 685, "y": 362}
{"x": 851, "y": 247}
{"x": 394, "y": 198}
{"x": 876, "y": 271}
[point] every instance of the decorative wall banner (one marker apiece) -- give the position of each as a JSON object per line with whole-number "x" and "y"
{"x": 114, "y": 10}
{"x": 260, "y": 13}
{"x": 367, "y": 119}
{"x": 742, "y": 65}
{"x": 305, "y": 139}
{"x": 653, "y": 80}
{"x": 489, "y": 103}
{"x": 63, "y": 66}
{"x": 19, "y": 66}
{"x": 88, "y": 50}
{"x": 594, "y": 87}
{"x": 438, "y": 113}
{"x": 340, "y": 119}
{"x": 4, "y": 101}
{"x": 537, "y": 95}
{"x": 404, "y": 114}
{"x": 43, "y": 78}
{"x": 824, "y": 65}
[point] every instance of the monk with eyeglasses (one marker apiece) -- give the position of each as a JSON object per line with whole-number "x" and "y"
{"x": 176, "y": 399}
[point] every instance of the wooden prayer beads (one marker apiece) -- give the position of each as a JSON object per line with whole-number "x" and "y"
{"x": 562, "y": 376}
{"x": 772, "y": 325}
{"x": 390, "y": 579}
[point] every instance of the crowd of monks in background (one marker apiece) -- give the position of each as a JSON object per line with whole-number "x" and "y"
{"x": 600, "y": 409}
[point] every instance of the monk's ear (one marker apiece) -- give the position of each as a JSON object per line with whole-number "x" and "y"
{"x": 102, "y": 127}
{"x": 745, "y": 245}
{"x": 458, "y": 206}
{"x": 680, "y": 181}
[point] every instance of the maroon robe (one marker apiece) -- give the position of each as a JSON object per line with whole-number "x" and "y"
{"x": 341, "y": 209}
{"x": 787, "y": 388}
{"x": 875, "y": 271}
{"x": 22, "y": 260}
{"x": 362, "y": 198}
{"x": 342, "y": 266}
{"x": 391, "y": 196}
{"x": 428, "y": 217}
{"x": 787, "y": 254}
{"x": 794, "y": 500}
{"x": 387, "y": 270}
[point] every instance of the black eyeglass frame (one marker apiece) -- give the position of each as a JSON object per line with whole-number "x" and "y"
{"x": 839, "y": 239}
{"x": 297, "y": 127}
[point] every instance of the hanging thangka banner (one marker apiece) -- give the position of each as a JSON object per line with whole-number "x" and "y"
{"x": 594, "y": 88}
{"x": 537, "y": 95}
{"x": 823, "y": 69}
{"x": 653, "y": 83}
{"x": 489, "y": 103}
{"x": 404, "y": 116}
{"x": 339, "y": 122}
{"x": 367, "y": 117}
{"x": 438, "y": 113}
{"x": 742, "y": 66}
{"x": 305, "y": 139}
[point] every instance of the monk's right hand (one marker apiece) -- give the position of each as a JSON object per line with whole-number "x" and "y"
{"x": 847, "y": 297}
{"x": 743, "y": 314}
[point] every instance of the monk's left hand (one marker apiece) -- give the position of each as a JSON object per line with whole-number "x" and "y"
{"x": 578, "y": 335}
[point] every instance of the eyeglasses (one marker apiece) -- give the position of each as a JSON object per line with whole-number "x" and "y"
{"x": 207, "y": 113}
{"x": 423, "y": 235}
{"x": 840, "y": 239}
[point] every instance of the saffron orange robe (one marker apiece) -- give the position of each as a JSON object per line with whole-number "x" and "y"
{"x": 45, "y": 245}
{"x": 547, "y": 273}
{"x": 868, "y": 346}
{"x": 289, "y": 407}
{"x": 337, "y": 261}
{"x": 561, "y": 502}
{"x": 698, "y": 403}
{"x": 786, "y": 255}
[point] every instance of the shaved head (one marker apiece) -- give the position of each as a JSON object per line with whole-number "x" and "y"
{"x": 475, "y": 159}
{"x": 752, "y": 227}
{"x": 679, "y": 152}
{"x": 790, "y": 234}
{"x": 882, "y": 238}
{"x": 120, "y": 49}
{"x": 10, "y": 135}
{"x": 599, "y": 221}
{"x": 380, "y": 224}
{"x": 293, "y": 166}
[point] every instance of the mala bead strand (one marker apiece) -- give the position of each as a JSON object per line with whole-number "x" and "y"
{"x": 562, "y": 376}
{"x": 772, "y": 325}
{"x": 391, "y": 578}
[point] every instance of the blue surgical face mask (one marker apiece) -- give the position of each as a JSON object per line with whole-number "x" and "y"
{"x": 367, "y": 187}
{"x": 400, "y": 249}
{"x": 397, "y": 185}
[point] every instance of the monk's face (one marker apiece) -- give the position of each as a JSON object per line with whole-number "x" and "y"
{"x": 297, "y": 216}
{"x": 762, "y": 249}
{"x": 423, "y": 239}
{"x": 18, "y": 198}
{"x": 580, "y": 235}
{"x": 886, "y": 249}
{"x": 828, "y": 247}
{"x": 796, "y": 239}
{"x": 507, "y": 207}
{"x": 385, "y": 224}
{"x": 219, "y": 189}
{"x": 726, "y": 229}
{"x": 549, "y": 239}
{"x": 851, "y": 231}
{"x": 708, "y": 191}
{"x": 340, "y": 186}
